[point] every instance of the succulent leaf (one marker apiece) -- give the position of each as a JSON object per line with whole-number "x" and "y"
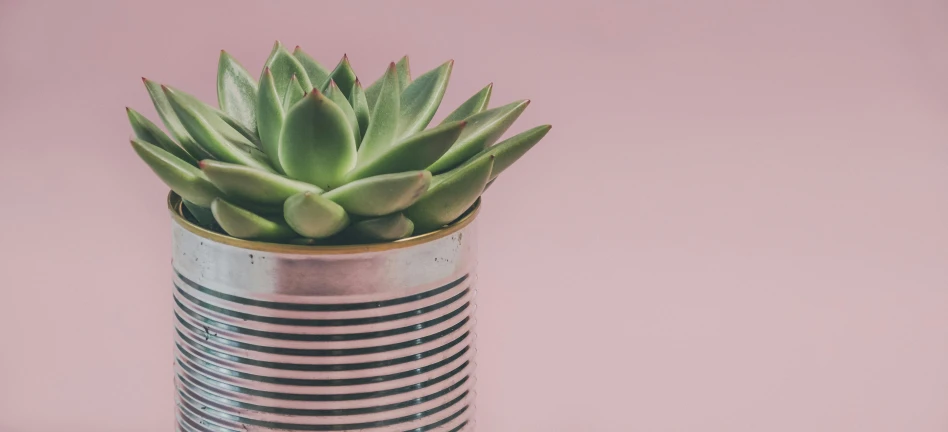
{"x": 243, "y": 184}
{"x": 421, "y": 99}
{"x": 209, "y": 138}
{"x": 335, "y": 95}
{"x": 383, "y": 125}
{"x": 247, "y": 136}
{"x": 224, "y": 124}
{"x": 317, "y": 145}
{"x": 382, "y": 229}
{"x": 314, "y": 216}
{"x": 449, "y": 198}
{"x": 283, "y": 65}
{"x": 203, "y": 215}
{"x": 344, "y": 76}
{"x": 373, "y": 91}
{"x": 270, "y": 116}
{"x": 294, "y": 92}
{"x": 236, "y": 91}
{"x": 410, "y": 154}
{"x": 360, "y": 107}
{"x": 180, "y": 176}
{"x": 382, "y": 194}
{"x": 244, "y": 224}
{"x": 508, "y": 151}
{"x": 149, "y": 132}
{"x": 171, "y": 121}
{"x": 404, "y": 73}
{"x": 473, "y": 105}
{"x": 318, "y": 75}
{"x": 482, "y": 130}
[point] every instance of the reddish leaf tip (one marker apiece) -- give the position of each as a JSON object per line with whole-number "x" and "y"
{"x": 202, "y": 163}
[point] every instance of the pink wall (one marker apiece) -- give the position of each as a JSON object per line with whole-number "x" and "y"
{"x": 739, "y": 222}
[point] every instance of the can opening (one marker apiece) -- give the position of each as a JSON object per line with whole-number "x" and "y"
{"x": 182, "y": 216}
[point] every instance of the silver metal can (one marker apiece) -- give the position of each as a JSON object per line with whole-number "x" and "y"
{"x": 274, "y": 337}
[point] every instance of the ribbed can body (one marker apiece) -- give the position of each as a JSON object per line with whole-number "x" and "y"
{"x": 375, "y": 340}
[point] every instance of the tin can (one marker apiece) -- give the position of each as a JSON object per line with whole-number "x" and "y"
{"x": 277, "y": 337}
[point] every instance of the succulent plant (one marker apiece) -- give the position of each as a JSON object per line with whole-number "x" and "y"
{"x": 308, "y": 155}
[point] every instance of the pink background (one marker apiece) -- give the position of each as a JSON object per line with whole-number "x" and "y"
{"x": 738, "y": 223}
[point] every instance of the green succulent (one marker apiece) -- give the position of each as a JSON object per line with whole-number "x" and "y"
{"x": 308, "y": 155}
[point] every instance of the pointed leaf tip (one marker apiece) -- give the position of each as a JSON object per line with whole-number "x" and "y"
{"x": 486, "y": 128}
{"x": 420, "y": 97}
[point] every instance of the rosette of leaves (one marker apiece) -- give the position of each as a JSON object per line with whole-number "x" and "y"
{"x": 304, "y": 154}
